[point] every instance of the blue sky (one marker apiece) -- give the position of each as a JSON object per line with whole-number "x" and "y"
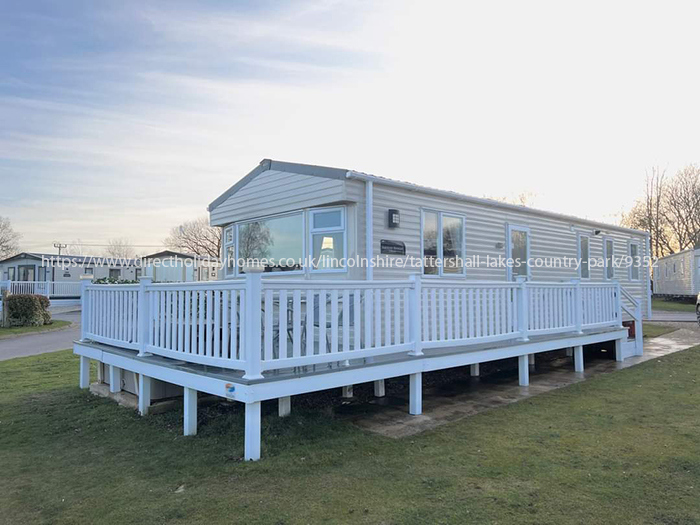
{"x": 122, "y": 119}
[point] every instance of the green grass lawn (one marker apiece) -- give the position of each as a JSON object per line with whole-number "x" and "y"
{"x": 672, "y": 306}
{"x": 655, "y": 330}
{"x": 55, "y": 325}
{"x": 622, "y": 447}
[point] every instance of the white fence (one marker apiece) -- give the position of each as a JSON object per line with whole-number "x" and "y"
{"x": 56, "y": 289}
{"x": 257, "y": 325}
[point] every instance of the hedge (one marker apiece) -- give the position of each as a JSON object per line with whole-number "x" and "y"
{"x": 28, "y": 310}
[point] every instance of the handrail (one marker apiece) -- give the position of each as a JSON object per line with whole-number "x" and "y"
{"x": 630, "y": 297}
{"x": 258, "y": 324}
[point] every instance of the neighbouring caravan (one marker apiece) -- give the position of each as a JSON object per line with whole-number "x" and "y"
{"x": 50, "y": 267}
{"x": 168, "y": 267}
{"x": 678, "y": 275}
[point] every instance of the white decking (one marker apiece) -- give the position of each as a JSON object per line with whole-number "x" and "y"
{"x": 263, "y": 339}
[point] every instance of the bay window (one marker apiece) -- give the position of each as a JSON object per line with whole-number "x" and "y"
{"x": 443, "y": 243}
{"x": 281, "y": 244}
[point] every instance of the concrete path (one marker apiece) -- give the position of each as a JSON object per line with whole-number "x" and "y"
{"x": 468, "y": 396}
{"x": 41, "y": 343}
{"x": 662, "y": 316}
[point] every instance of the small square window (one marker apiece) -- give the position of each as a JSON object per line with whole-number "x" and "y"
{"x": 328, "y": 219}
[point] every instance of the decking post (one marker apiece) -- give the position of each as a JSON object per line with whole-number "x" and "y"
{"x": 523, "y": 319}
{"x": 115, "y": 379}
{"x": 284, "y": 407}
{"x": 252, "y": 431}
{"x": 618, "y": 350}
{"x": 618, "y": 303}
{"x": 143, "y": 315}
{"x": 474, "y": 370}
{"x": 578, "y": 358}
{"x": 415, "y": 402}
{"x": 531, "y": 360}
{"x": 379, "y": 388}
{"x": 523, "y": 370}
{"x": 578, "y": 305}
{"x": 346, "y": 392}
{"x": 85, "y": 281}
{"x": 144, "y": 394}
{"x": 253, "y": 322}
{"x": 415, "y": 294}
{"x": 84, "y": 372}
{"x": 638, "y": 331}
{"x": 190, "y": 410}
{"x": 4, "y": 294}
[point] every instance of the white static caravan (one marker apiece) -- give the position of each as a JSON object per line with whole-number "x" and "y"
{"x": 169, "y": 266}
{"x": 269, "y": 333}
{"x": 59, "y": 276}
{"x": 678, "y": 275}
{"x": 417, "y": 222}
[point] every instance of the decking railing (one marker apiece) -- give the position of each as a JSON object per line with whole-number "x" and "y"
{"x": 257, "y": 325}
{"x": 48, "y": 288}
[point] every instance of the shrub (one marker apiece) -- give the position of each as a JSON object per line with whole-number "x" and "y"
{"x": 112, "y": 280}
{"x": 28, "y": 310}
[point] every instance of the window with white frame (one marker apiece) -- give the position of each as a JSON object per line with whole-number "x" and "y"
{"x": 89, "y": 271}
{"x": 327, "y": 239}
{"x": 635, "y": 261}
{"x": 442, "y": 238}
{"x": 609, "y": 249}
{"x": 11, "y": 274}
{"x": 584, "y": 255}
{"x": 284, "y": 242}
{"x": 518, "y": 251}
{"x": 276, "y": 241}
{"x": 229, "y": 251}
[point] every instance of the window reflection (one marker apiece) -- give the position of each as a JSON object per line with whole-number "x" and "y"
{"x": 518, "y": 252}
{"x": 430, "y": 247}
{"x": 279, "y": 240}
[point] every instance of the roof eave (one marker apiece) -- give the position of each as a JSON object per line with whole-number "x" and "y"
{"x": 486, "y": 202}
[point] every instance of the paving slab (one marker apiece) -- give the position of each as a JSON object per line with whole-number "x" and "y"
{"x": 442, "y": 405}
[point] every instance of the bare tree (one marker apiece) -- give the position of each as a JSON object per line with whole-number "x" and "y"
{"x": 9, "y": 239}
{"x": 649, "y": 214}
{"x": 76, "y": 248}
{"x": 120, "y": 248}
{"x": 254, "y": 241}
{"x": 681, "y": 207}
{"x": 525, "y": 198}
{"x": 195, "y": 237}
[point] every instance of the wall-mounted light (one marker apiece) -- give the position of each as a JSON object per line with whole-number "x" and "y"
{"x": 500, "y": 245}
{"x": 394, "y": 218}
{"x": 596, "y": 232}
